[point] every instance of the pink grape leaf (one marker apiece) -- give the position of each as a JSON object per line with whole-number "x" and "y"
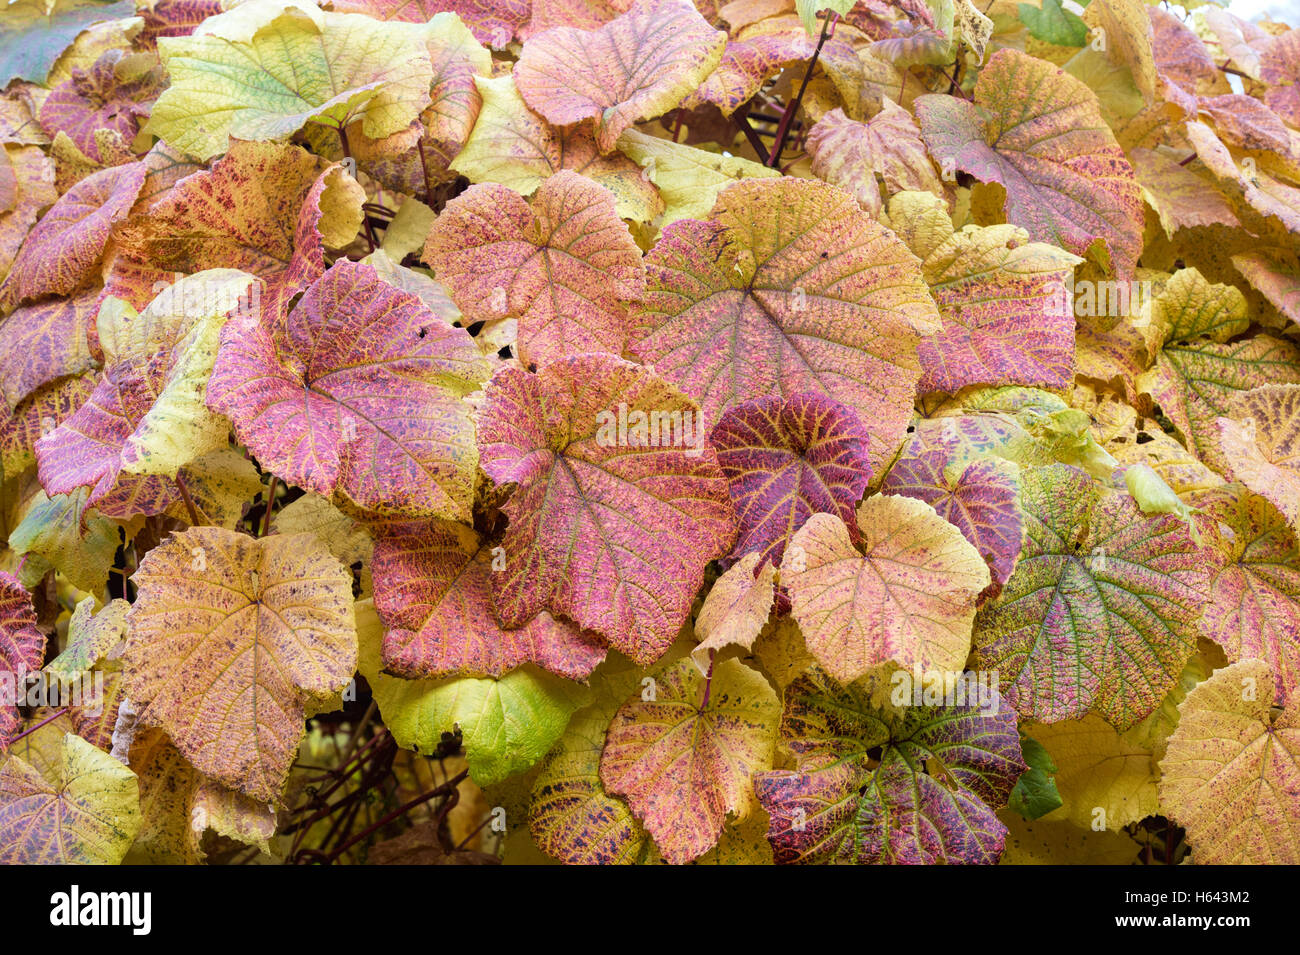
{"x": 562, "y": 263}
{"x": 493, "y": 22}
{"x": 736, "y": 609}
{"x": 1276, "y": 274}
{"x": 1261, "y": 443}
{"x": 172, "y": 18}
{"x": 1037, "y": 131}
{"x": 638, "y": 66}
{"x": 1181, "y": 197}
{"x": 358, "y": 390}
{"x": 786, "y": 459}
{"x": 1101, "y": 612}
{"x": 22, "y": 649}
{"x": 1279, "y": 66}
{"x": 1007, "y": 317}
{"x": 860, "y": 791}
{"x": 611, "y": 523}
{"x": 114, "y": 93}
{"x": 1254, "y": 608}
{"x": 906, "y": 596}
{"x": 42, "y": 342}
{"x": 746, "y": 65}
{"x": 1231, "y": 773}
{"x": 39, "y": 413}
{"x": 59, "y": 255}
{"x": 683, "y": 759}
{"x": 850, "y": 154}
{"x": 788, "y": 287}
{"x": 433, "y": 585}
{"x": 977, "y": 496}
{"x": 231, "y": 640}
{"x": 264, "y": 208}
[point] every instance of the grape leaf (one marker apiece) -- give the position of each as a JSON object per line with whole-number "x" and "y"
{"x": 1104, "y": 778}
{"x": 610, "y": 525}
{"x": 63, "y": 533}
{"x": 1277, "y": 276}
{"x": 115, "y": 93}
{"x": 975, "y": 494}
{"x": 908, "y": 596}
{"x": 850, "y": 154}
{"x": 563, "y": 264}
{"x": 570, "y": 814}
{"x": 493, "y": 21}
{"x": 231, "y": 641}
{"x": 1035, "y": 793}
{"x": 1100, "y": 613}
{"x": 1254, "y": 609}
{"x": 1053, "y": 24}
{"x": 1230, "y": 774}
{"x": 60, "y": 254}
{"x": 433, "y": 591}
{"x": 34, "y": 32}
{"x": 788, "y": 287}
{"x": 357, "y": 390}
{"x": 684, "y": 758}
{"x": 1190, "y": 306}
{"x": 264, "y": 208}
{"x": 736, "y": 608}
{"x": 1196, "y": 383}
{"x": 304, "y": 66}
{"x": 1006, "y": 315}
{"x": 785, "y": 459}
{"x": 638, "y": 66}
{"x": 45, "y": 341}
{"x": 843, "y": 803}
{"x": 22, "y": 649}
{"x": 1277, "y": 67}
{"x": 512, "y": 145}
{"x": 506, "y": 725}
{"x": 1261, "y": 443}
{"x": 85, "y": 812}
{"x": 1036, "y": 130}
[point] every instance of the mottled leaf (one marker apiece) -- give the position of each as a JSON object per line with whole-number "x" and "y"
{"x": 34, "y": 32}
{"x": 736, "y": 609}
{"x": 22, "y": 648}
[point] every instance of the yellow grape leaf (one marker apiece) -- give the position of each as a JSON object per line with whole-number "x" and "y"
{"x": 1105, "y": 781}
{"x": 736, "y": 608}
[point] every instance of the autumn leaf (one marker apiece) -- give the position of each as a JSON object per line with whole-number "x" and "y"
{"x": 304, "y": 66}
{"x": 638, "y": 66}
{"x": 683, "y": 759}
{"x": 1261, "y": 443}
{"x": 786, "y": 459}
{"x": 843, "y": 804}
{"x": 45, "y": 341}
{"x": 23, "y": 647}
{"x": 433, "y": 590}
{"x": 115, "y": 94}
{"x": 231, "y": 641}
{"x": 1036, "y": 131}
{"x": 358, "y": 391}
{"x": 976, "y": 494}
{"x": 788, "y": 287}
{"x": 611, "y": 523}
{"x": 1229, "y": 776}
{"x": 907, "y": 596}
{"x": 851, "y": 154}
{"x": 564, "y": 264}
{"x": 1100, "y": 613}
{"x": 86, "y": 811}
{"x": 736, "y": 609}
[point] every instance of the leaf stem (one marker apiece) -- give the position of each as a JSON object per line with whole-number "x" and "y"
{"x": 783, "y": 130}
{"x": 270, "y": 502}
{"x": 751, "y": 134}
{"x": 32, "y": 729}
{"x": 195, "y": 520}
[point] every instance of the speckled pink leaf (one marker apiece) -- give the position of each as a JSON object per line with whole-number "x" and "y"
{"x": 172, "y": 18}
{"x": 40, "y": 412}
{"x": 59, "y": 255}
{"x": 1279, "y": 66}
{"x": 611, "y": 524}
{"x": 113, "y": 93}
{"x": 788, "y": 287}
{"x": 433, "y": 587}
{"x": 358, "y": 390}
{"x": 747, "y": 64}
{"x": 562, "y": 263}
{"x": 977, "y": 496}
{"x": 637, "y": 66}
{"x": 1101, "y": 611}
{"x": 22, "y": 648}
{"x": 684, "y": 758}
{"x": 786, "y": 459}
{"x": 860, "y": 792}
{"x": 907, "y": 595}
{"x": 1276, "y": 274}
{"x": 851, "y": 154}
{"x": 1261, "y": 443}
{"x": 1254, "y": 608}
{"x": 45, "y": 341}
{"x": 265, "y": 208}
{"x": 494, "y": 22}
{"x": 1038, "y": 131}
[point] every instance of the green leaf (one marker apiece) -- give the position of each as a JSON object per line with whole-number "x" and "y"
{"x": 1053, "y": 24}
{"x": 1035, "y": 794}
